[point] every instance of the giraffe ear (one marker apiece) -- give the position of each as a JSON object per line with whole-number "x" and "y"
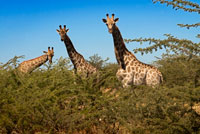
{"x": 58, "y": 30}
{"x": 104, "y": 20}
{"x": 116, "y": 20}
{"x": 67, "y": 30}
{"x": 45, "y": 52}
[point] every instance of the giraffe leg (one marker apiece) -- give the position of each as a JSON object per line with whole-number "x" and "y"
{"x": 153, "y": 78}
{"x": 138, "y": 79}
{"x": 125, "y": 83}
{"x": 125, "y": 78}
{"x": 120, "y": 74}
{"x": 128, "y": 80}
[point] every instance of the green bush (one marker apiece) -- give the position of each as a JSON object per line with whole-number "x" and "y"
{"x": 180, "y": 70}
{"x": 54, "y": 100}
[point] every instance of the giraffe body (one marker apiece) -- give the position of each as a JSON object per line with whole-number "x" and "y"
{"x": 131, "y": 71}
{"x": 30, "y": 65}
{"x": 138, "y": 73}
{"x": 81, "y": 66}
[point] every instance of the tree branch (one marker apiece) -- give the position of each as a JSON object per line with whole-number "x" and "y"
{"x": 181, "y": 4}
{"x": 178, "y": 46}
{"x": 189, "y": 26}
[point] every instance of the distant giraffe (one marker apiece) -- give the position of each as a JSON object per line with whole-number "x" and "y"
{"x": 80, "y": 65}
{"x": 131, "y": 71}
{"x": 29, "y": 65}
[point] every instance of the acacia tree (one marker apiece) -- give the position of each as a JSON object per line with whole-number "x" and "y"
{"x": 97, "y": 61}
{"x": 178, "y": 46}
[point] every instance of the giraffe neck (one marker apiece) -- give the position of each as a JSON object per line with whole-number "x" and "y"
{"x": 120, "y": 48}
{"x": 30, "y": 65}
{"x": 73, "y": 54}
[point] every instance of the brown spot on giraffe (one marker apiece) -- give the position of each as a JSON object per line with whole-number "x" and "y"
{"x": 136, "y": 69}
{"x": 129, "y": 70}
{"x": 30, "y": 65}
{"x": 80, "y": 64}
{"x": 139, "y": 73}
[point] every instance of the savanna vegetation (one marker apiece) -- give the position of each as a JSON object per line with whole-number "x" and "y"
{"x": 54, "y": 100}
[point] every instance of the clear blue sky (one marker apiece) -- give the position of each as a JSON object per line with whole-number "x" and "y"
{"x": 27, "y": 27}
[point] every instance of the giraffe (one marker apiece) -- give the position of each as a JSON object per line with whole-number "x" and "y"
{"x": 80, "y": 65}
{"x": 131, "y": 71}
{"x": 28, "y": 66}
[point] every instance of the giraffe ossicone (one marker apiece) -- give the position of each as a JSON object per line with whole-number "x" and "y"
{"x": 131, "y": 71}
{"x": 81, "y": 66}
{"x": 30, "y": 65}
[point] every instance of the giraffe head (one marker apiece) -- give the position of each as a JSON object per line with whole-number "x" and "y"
{"x": 62, "y": 32}
{"x": 110, "y": 22}
{"x": 49, "y": 54}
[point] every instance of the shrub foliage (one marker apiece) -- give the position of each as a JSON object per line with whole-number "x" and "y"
{"x": 55, "y": 100}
